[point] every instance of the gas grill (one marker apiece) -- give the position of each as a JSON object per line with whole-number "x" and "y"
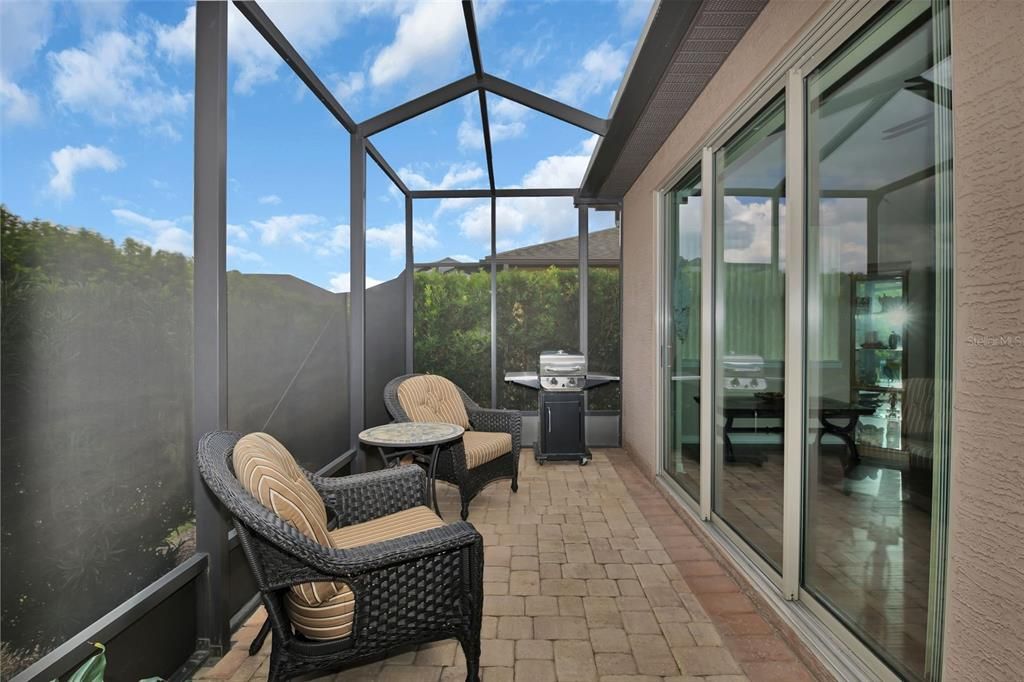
{"x": 561, "y": 380}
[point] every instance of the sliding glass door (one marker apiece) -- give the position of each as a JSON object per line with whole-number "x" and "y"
{"x": 875, "y": 161}
{"x": 684, "y": 215}
{"x": 846, "y": 508}
{"x": 750, "y": 300}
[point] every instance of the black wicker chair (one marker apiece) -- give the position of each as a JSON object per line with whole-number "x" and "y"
{"x": 451, "y": 465}
{"x": 419, "y": 588}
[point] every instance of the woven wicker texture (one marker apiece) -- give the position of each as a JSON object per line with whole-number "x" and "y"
{"x": 422, "y": 587}
{"x": 451, "y": 464}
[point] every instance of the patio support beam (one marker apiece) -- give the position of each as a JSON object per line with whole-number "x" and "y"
{"x": 545, "y": 105}
{"x": 584, "y": 262}
{"x": 410, "y": 275}
{"x": 478, "y": 69}
{"x": 209, "y": 309}
{"x": 486, "y": 193}
{"x": 420, "y": 105}
{"x": 494, "y": 302}
{"x": 357, "y": 296}
{"x": 262, "y": 23}
{"x": 382, "y": 163}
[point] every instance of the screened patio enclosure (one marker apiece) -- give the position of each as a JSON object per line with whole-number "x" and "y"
{"x": 172, "y": 341}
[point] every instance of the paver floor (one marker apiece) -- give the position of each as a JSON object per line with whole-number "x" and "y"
{"x": 590, "y": 576}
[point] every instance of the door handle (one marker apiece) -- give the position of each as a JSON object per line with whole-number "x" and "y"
{"x": 549, "y": 419}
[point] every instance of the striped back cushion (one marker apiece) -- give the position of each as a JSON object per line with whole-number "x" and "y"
{"x": 268, "y": 471}
{"x": 430, "y": 398}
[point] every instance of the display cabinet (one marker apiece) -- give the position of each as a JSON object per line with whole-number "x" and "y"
{"x": 879, "y": 347}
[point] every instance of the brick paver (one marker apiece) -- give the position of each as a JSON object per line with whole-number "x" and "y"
{"x": 590, "y": 575}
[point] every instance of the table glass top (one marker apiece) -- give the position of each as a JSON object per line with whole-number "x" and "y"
{"x": 411, "y": 434}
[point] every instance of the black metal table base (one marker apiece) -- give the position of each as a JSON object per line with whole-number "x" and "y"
{"x": 429, "y": 462}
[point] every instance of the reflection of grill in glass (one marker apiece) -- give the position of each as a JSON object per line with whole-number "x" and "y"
{"x": 561, "y": 380}
{"x": 743, "y": 373}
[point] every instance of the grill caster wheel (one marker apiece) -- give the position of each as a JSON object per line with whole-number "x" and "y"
{"x": 583, "y": 461}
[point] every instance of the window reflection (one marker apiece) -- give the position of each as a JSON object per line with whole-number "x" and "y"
{"x": 682, "y": 450}
{"x": 872, "y": 292}
{"x": 750, "y": 349}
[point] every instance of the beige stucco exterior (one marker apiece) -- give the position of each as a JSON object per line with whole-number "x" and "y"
{"x": 985, "y": 616}
{"x": 985, "y": 603}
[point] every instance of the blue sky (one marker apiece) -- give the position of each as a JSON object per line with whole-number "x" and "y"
{"x": 97, "y": 123}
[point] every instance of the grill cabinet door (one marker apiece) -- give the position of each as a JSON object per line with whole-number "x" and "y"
{"x": 561, "y": 422}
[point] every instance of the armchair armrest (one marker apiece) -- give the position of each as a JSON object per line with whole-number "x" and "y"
{"x": 367, "y": 558}
{"x": 363, "y": 497}
{"x": 507, "y": 421}
{"x": 291, "y": 558}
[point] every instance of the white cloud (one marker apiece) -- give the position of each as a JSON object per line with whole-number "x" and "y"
{"x": 100, "y": 14}
{"x": 392, "y": 237}
{"x": 457, "y": 204}
{"x": 487, "y": 11}
{"x": 68, "y": 161}
{"x": 558, "y": 171}
{"x": 111, "y": 79}
{"x": 747, "y": 231}
{"x": 310, "y": 27}
{"x": 526, "y": 220}
{"x": 428, "y": 37}
{"x": 507, "y": 121}
{"x": 25, "y": 28}
{"x": 458, "y": 176}
{"x": 293, "y": 228}
{"x": 600, "y": 68}
{"x": 164, "y": 235}
{"x": 507, "y": 110}
{"x": 634, "y": 11}
{"x": 237, "y": 254}
{"x": 270, "y": 199}
{"x": 472, "y": 137}
{"x": 17, "y": 105}
{"x": 178, "y": 42}
{"x": 237, "y": 232}
{"x": 346, "y": 87}
{"x": 341, "y": 282}
{"x": 337, "y": 241}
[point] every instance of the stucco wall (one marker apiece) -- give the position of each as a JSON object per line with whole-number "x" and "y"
{"x": 985, "y": 625}
{"x": 767, "y": 40}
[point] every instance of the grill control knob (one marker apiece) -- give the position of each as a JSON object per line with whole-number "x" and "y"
{"x": 553, "y": 381}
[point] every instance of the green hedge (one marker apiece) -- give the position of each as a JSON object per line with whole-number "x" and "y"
{"x": 537, "y": 309}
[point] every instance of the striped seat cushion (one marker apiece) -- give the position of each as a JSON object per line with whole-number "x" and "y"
{"x": 333, "y": 618}
{"x": 483, "y": 446}
{"x": 430, "y": 398}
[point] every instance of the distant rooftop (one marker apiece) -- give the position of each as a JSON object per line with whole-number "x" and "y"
{"x": 603, "y": 250}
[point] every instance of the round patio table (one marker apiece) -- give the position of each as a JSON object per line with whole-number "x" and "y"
{"x": 422, "y": 440}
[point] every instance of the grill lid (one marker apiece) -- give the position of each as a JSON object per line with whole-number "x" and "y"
{"x": 562, "y": 363}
